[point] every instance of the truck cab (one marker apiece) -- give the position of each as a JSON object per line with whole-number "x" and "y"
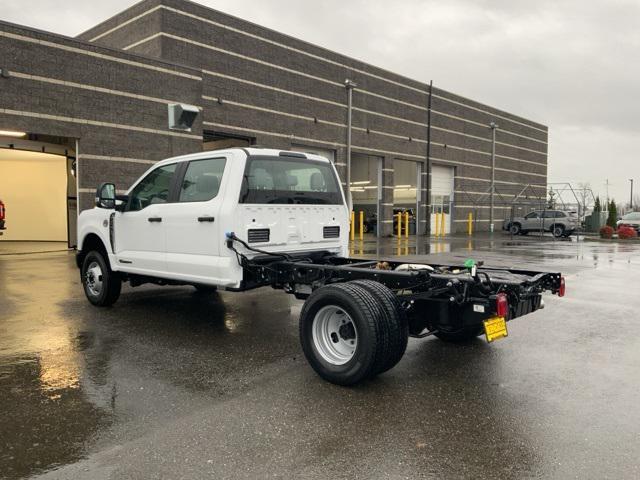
{"x": 171, "y": 225}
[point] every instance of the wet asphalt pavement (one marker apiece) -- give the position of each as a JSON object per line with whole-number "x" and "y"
{"x": 173, "y": 384}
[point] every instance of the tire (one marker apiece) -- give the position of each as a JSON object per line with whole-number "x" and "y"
{"x": 101, "y": 285}
{"x": 204, "y": 289}
{"x": 515, "y": 229}
{"x": 397, "y": 325}
{"x": 557, "y": 230}
{"x": 460, "y": 336}
{"x": 342, "y": 333}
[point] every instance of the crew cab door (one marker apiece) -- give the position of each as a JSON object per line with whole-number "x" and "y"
{"x": 139, "y": 231}
{"x": 193, "y": 229}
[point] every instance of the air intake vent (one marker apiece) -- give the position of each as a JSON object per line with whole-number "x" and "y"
{"x": 331, "y": 232}
{"x": 258, "y": 235}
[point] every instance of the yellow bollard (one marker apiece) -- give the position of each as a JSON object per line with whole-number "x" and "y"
{"x": 442, "y": 226}
{"x": 470, "y": 224}
{"x": 353, "y": 225}
{"x": 406, "y": 224}
{"x": 399, "y": 220}
{"x": 361, "y": 224}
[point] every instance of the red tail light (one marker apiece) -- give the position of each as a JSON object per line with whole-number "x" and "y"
{"x": 1, "y": 211}
{"x": 562, "y": 288}
{"x": 502, "y": 305}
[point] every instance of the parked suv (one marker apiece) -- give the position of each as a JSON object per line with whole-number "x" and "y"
{"x": 631, "y": 219}
{"x": 560, "y": 223}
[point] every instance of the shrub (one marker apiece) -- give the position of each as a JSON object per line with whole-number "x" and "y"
{"x": 627, "y": 232}
{"x": 606, "y": 232}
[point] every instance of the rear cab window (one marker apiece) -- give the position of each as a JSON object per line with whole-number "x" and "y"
{"x": 289, "y": 180}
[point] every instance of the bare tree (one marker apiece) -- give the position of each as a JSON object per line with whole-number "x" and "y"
{"x": 585, "y": 197}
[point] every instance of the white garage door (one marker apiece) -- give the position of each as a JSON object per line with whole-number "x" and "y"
{"x": 442, "y": 185}
{"x": 33, "y": 187}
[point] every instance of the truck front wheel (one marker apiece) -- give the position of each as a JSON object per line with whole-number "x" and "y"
{"x": 101, "y": 285}
{"x": 342, "y": 336}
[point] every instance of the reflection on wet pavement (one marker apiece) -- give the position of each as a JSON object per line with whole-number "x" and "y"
{"x": 171, "y": 383}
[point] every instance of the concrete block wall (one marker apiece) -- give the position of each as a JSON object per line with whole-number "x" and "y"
{"x": 253, "y": 82}
{"x": 114, "y": 104}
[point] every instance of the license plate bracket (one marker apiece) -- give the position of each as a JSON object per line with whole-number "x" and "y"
{"x": 495, "y": 328}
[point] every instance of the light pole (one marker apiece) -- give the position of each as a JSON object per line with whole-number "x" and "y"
{"x": 631, "y": 196}
{"x": 494, "y": 127}
{"x": 349, "y": 85}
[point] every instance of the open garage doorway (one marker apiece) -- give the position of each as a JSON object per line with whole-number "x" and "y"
{"x": 219, "y": 140}
{"x": 323, "y": 152}
{"x": 366, "y": 172}
{"x": 34, "y": 187}
{"x": 442, "y": 189}
{"x": 406, "y": 185}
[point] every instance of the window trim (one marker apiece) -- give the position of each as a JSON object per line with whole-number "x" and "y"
{"x": 177, "y": 187}
{"x": 141, "y": 179}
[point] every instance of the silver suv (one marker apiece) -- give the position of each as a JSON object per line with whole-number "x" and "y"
{"x": 559, "y": 222}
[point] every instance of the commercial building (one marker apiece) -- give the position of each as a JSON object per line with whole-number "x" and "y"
{"x": 98, "y": 106}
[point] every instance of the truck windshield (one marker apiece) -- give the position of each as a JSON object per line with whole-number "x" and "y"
{"x": 278, "y": 180}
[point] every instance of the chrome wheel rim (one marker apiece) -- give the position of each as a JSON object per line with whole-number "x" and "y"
{"x": 93, "y": 279}
{"x": 335, "y": 336}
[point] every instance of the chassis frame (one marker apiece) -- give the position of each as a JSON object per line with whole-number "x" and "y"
{"x": 450, "y": 298}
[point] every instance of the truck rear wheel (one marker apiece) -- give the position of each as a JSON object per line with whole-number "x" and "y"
{"x": 343, "y": 332}
{"x": 397, "y": 325}
{"x": 101, "y": 285}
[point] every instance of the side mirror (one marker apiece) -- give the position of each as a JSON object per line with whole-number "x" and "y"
{"x": 106, "y": 196}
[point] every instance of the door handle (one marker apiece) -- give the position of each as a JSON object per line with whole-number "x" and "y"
{"x": 206, "y": 219}
{"x": 155, "y": 219}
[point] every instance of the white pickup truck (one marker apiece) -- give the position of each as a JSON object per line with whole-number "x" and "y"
{"x": 240, "y": 219}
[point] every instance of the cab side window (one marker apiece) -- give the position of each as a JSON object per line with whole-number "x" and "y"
{"x": 154, "y": 188}
{"x": 531, "y": 215}
{"x": 202, "y": 180}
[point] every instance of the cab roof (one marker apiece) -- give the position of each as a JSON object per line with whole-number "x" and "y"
{"x": 248, "y": 151}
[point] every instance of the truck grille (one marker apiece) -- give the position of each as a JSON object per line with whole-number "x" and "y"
{"x": 331, "y": 232}
{"x": 258, "y": 235}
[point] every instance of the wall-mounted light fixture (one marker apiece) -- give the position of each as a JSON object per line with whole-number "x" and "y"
{"x": 182, "y": 116}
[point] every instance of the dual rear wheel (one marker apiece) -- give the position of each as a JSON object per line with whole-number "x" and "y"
{"x": 353, "y": 331}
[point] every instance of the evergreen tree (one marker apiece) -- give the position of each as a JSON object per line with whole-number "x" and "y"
{"x": 612, "y": 219}
{"x": 597, "y": 207}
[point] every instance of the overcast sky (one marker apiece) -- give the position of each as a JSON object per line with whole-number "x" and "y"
{"x": 572, "y": 65}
